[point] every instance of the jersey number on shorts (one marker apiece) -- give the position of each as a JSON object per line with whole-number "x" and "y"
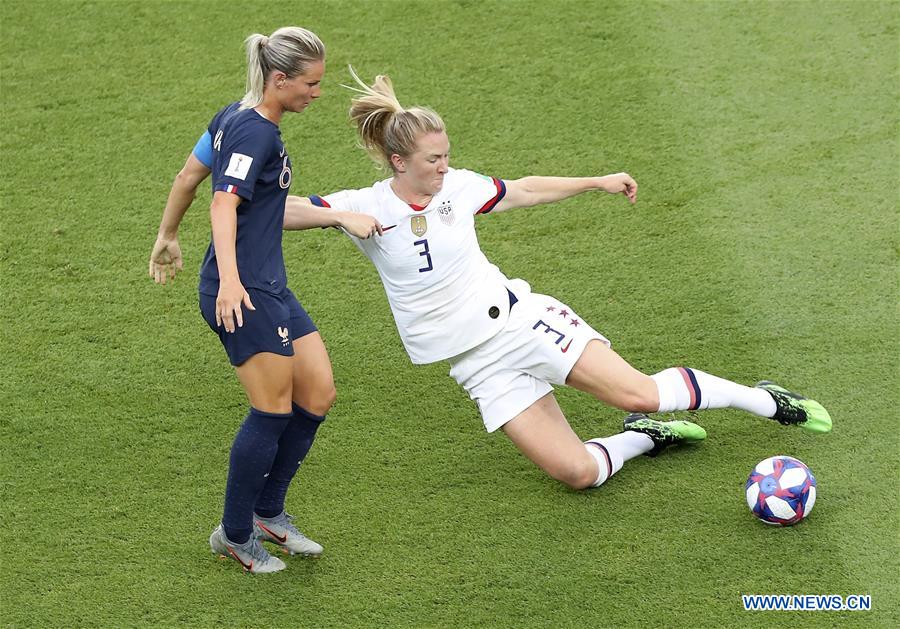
{"x": 548, "y": 330}
{"x": 425, "y": 252}
{"x": 559, "y": 335}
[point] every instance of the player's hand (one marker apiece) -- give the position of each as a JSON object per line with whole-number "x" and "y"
{"x": 620, "y": 183}
{"x": 228, "y": 305}
{"x": 165, "y": 259}
{"x": 360, "y": 225}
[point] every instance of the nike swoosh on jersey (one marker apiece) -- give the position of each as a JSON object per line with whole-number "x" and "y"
{"x": 566, "y": 348}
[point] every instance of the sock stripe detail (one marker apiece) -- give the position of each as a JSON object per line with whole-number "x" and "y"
{"x": 602, "y": 448}
{"x": 690, "y": 380}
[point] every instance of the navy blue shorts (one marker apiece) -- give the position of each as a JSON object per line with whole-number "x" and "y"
{"x": 272, "y": 327}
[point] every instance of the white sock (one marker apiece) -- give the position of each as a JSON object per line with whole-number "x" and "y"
{"x": 683, "y": 389}
{"x": 612, "y": 452}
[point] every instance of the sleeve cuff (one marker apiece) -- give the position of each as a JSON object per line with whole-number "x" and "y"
{"x": 500, "y": 188}
{"x": 233, "y": 189}
{"x": 318, "y": 201}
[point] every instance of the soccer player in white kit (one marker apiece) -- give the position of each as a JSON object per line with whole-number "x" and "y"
{"x": 506, "y": 345}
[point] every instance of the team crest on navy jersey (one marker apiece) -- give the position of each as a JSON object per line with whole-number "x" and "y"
{"x": 419, "y": 225}
{"x": 445, "y": 212}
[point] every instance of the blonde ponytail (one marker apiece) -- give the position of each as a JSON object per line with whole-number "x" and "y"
{"x": 256, "y": 70}
{"x": 290, "y": 50}
{"x": 385, "y": 128}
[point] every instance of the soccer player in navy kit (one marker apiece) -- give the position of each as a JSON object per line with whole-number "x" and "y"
{"x": 275, "y": 348}
{"x": 505, "y": 344}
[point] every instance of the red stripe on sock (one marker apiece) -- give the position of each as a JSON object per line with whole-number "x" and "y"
{"x": 690, "y": 387}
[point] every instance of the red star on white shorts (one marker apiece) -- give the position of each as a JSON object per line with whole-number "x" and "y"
{"x": 575, "y": 322}
{"x": 564, "y": 312}
{"x": 551, "y": 308}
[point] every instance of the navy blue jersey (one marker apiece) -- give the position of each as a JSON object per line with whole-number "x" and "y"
{"x": 249, "y": 160}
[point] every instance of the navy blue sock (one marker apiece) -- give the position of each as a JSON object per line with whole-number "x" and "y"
{"x": 252, "y": 453}
{"x": 295, "y": 442}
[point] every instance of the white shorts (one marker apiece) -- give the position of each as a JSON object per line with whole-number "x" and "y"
{"x": 539, "y": 345}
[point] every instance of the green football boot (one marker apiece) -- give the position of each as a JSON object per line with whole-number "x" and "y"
{"x": 664, "y": 434}
{"x": 792, "y": 408}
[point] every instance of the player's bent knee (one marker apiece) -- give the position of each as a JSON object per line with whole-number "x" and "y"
{"x": 319, "y": 399}
{"x": 579, "y": 481}
{"x": 640, "y": 404}
{"x": 577, "y": 475}
{"x": 640, "y": 399}
{"x": 328, "y": 398}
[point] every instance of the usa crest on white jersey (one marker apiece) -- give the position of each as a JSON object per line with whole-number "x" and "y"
{"x": 445, "y": 213}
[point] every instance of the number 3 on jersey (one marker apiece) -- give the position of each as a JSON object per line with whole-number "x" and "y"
{"x": 425, "y": 252}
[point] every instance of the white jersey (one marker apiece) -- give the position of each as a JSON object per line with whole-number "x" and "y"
{"x": 445, "y": 295}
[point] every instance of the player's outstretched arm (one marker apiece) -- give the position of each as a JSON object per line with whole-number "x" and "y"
{"x": 165, "y": 259}
{"x": 530, "y": 191}
{"x": 301, "y": 213}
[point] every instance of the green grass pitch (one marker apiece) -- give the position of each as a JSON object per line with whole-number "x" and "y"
{"x": 764, "y": 244}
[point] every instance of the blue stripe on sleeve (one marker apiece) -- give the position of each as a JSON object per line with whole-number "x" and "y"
{"x": 203, "y": 150}
{"x": 500, "y": 186}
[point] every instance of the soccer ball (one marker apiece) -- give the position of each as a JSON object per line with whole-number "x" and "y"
{"x": 781, "y": 490}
